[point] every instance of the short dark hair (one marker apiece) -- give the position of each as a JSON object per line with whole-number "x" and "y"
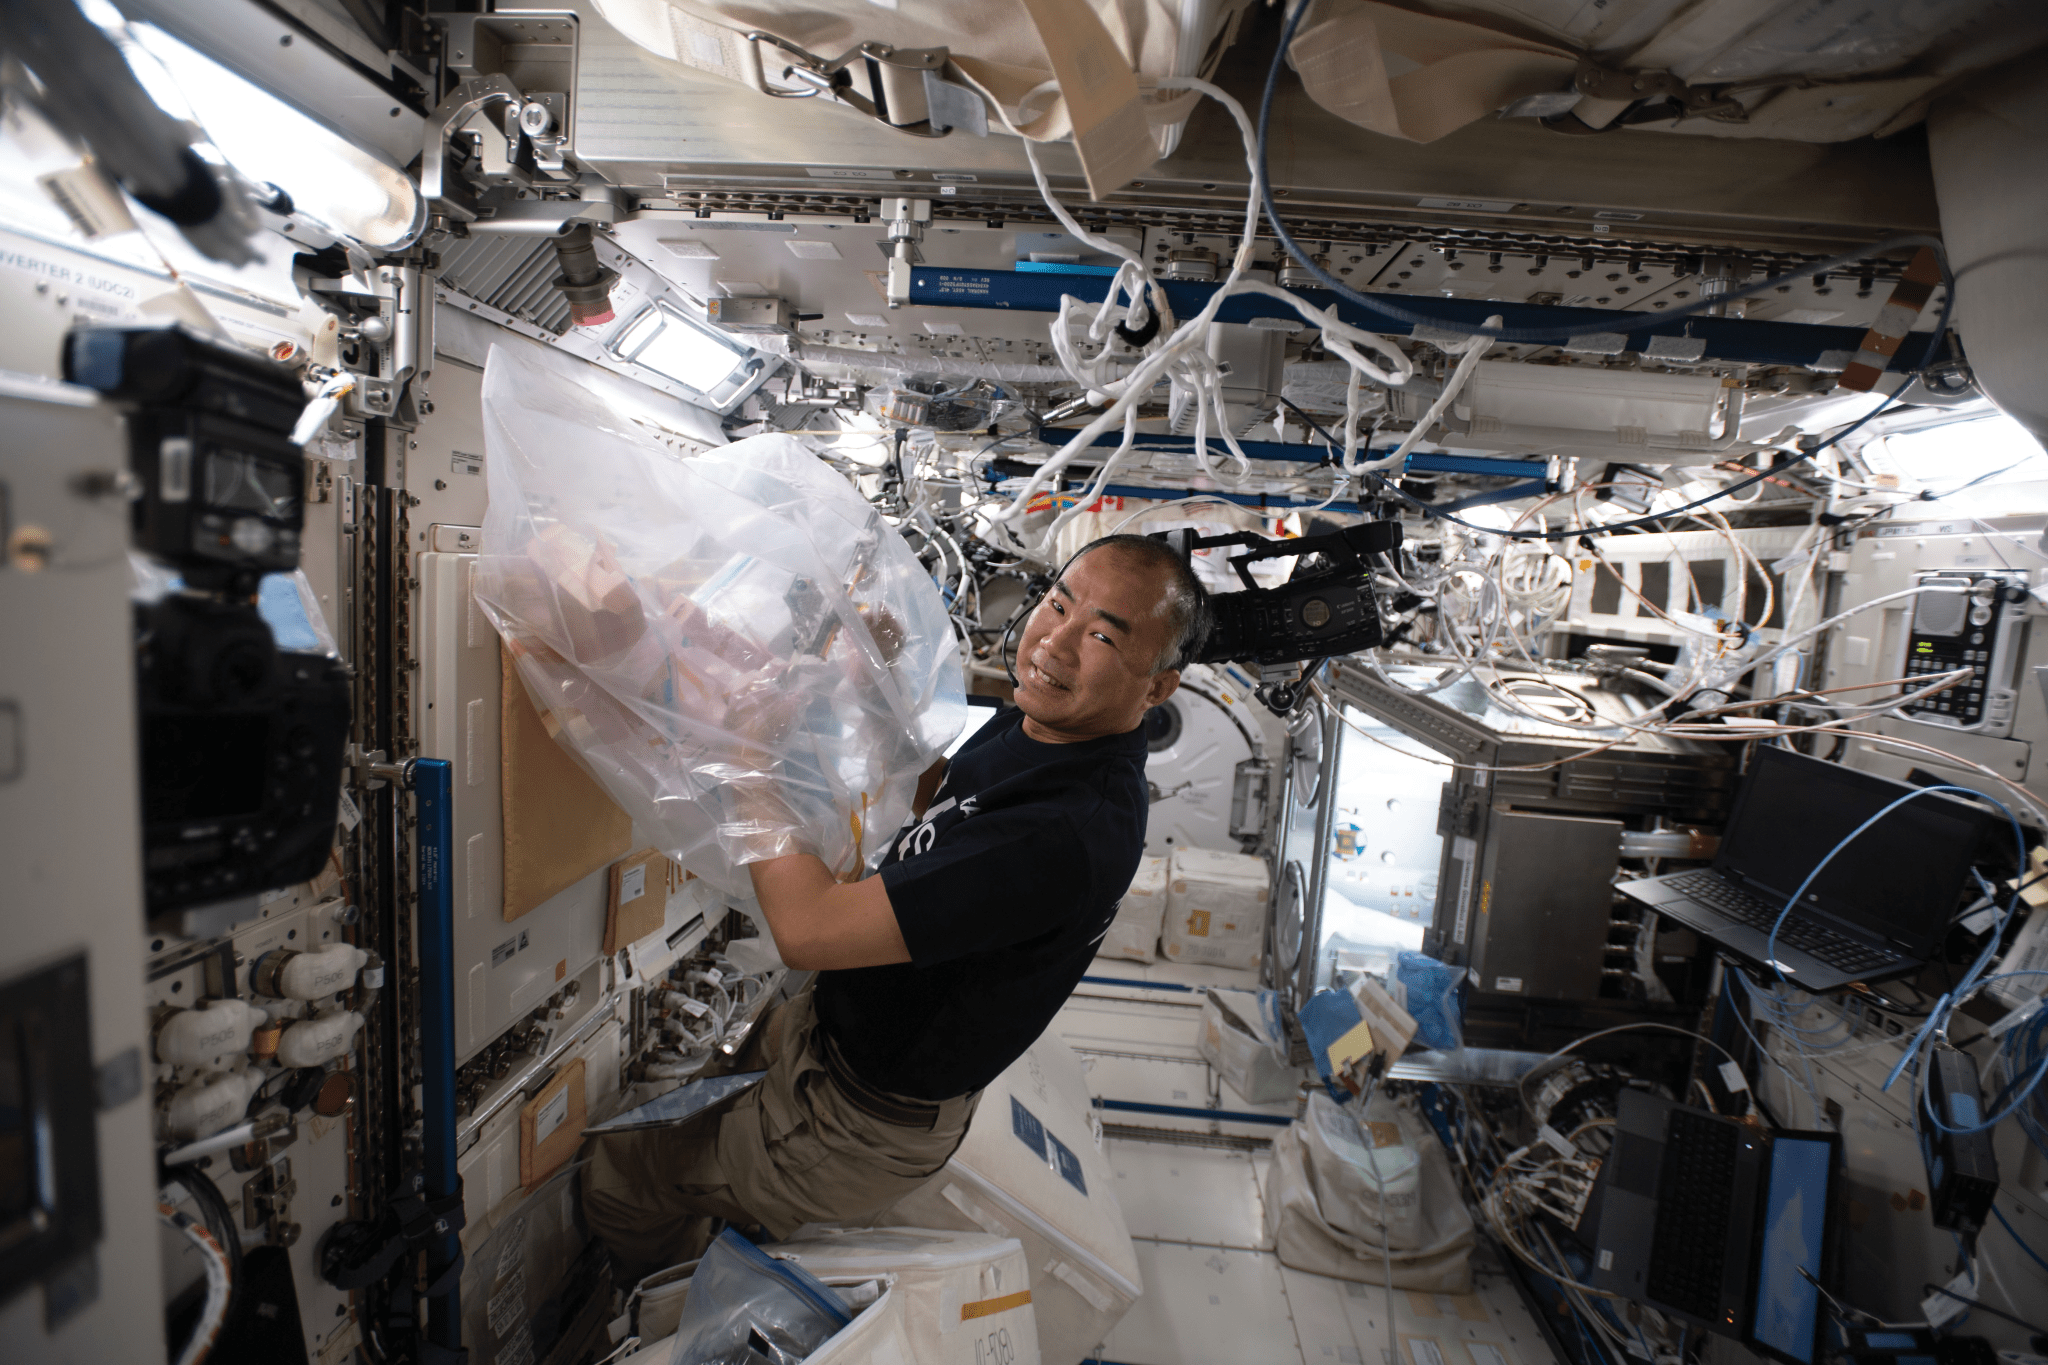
{"x": 1186, "y": 602}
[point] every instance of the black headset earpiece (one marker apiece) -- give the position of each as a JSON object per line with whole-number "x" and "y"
{"x": 1009, "y": 666}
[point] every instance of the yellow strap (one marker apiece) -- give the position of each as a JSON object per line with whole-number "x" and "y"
{"x": 986, "y": 1308}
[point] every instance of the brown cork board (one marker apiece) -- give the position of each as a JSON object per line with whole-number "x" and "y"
{"x": 640, "y": 883}
{"x": 559, "y": 824}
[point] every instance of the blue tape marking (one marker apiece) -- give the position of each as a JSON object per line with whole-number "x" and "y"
{"x": 1133, "y": 981}
{"x": 1229, "y": 1115}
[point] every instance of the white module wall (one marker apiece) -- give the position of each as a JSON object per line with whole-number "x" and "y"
{"x": 502, "y": 970}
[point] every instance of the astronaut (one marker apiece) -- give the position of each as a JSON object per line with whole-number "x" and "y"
{"x": 941, "y": 969}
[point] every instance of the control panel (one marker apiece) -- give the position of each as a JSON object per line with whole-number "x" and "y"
{"x": 1967, "y": 619}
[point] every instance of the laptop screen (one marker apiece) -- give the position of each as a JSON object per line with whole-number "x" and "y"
{"x": 1901, "y": 879}
{"x": 1787, "y": 1320}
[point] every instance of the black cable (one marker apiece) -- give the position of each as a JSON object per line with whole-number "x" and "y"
{"x": 220, "y": 1221}
{"x": 1314, "y": 425}
{"x": 1533, "y": 334}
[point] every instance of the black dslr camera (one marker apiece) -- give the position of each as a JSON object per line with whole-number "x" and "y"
{"x": 242, "y": 743}
{"x": 1325, "y": 609}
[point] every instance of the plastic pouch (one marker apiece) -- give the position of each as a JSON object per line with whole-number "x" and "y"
{"x": 735, "y": 645}
{"x": 746, "y": 1308}
{"x": 1432, "y": 999}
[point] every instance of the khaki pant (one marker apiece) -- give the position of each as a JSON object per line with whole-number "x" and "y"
{"x": 797, "y": 1148}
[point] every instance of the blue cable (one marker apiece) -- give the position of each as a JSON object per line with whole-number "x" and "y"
{"x": 1921, "y": 1101}
{"x": 2018, "y": 835}
{"x": 2035, "y": 1255}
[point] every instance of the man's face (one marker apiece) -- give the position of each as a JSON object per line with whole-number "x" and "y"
{"x": 1084, "y": 666}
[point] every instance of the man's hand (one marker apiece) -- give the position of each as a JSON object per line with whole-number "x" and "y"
{"x": 822, "y": 925}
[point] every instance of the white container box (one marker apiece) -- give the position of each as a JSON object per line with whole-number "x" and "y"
{"x": 1134, "y": 933}
{"x": 1031, "y": 1168}
{"x": 964, "y": 1298}
{"x": 1216, "y": 905}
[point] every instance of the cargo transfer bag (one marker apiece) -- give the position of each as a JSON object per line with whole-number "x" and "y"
{"x": 1809, "y": 73}
{"x": 928, "y": 65}
{"x": 1317, "y": 1222}
{"x": 1134, "y": 933}
{"x": 735, "y": 645}
{"x": 1244, "y": 1038}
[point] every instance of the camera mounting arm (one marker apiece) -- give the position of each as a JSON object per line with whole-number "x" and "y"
{"x": 1347, "y": 546}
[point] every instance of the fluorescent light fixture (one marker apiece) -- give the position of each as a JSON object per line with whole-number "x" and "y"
{"x": 1995, "y": 449}
{"x": 867, "y": 319}
{"x": 807, "y": 250}
{"x": 943, "y": 329}
{"x": 698, "y": 357}
{"x": 688, "y": 248}
{"x": 330, "y": 180}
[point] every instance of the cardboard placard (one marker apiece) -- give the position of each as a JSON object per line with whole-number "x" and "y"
{"x": 640, "y": 887}
{"x": 559, "y": 824}
{"x": 551, "y": 1125}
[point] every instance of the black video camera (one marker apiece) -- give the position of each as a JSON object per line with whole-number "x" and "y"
{"x": 242, "y": 743}
{"x": 209, "y": 441}
{"x": 1325, "y": 609}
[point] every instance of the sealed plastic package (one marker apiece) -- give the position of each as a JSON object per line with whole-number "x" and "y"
{"x": 734, "y": 644}
{"x": 747, "y": 1308}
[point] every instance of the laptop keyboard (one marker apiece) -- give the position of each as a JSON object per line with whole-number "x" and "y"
{"x": 1811, "y": 937}
{"x": 1690, "y": 1243}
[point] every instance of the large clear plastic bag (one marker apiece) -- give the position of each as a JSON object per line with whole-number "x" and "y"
{"x": 747, "y": 1308}
{"x": 734, "y": 644}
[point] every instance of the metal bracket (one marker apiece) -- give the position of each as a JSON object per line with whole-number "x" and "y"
{"x": 267, "y": 1201}
{"x": 448, "y": 116}
{"x": 905, "y": 87}
{"x": 375, "y": 770}
{"x": 1620, "y": 89}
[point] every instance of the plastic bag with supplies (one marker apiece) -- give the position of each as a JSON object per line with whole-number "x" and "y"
{"x": 734, "y": 644}
{"x": 748, "y": 1308}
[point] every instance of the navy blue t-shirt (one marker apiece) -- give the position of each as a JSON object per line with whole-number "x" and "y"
{"x": 1003, "y": 891}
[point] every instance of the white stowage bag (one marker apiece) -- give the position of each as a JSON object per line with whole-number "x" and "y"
{"x": 1243, "y": 1038}
{"x": 685, "y": 624}
{"x": 1363, "y": 1189}
{"x": 1215, "y": 908}
{"x": 1325, "y": 1211}
{"x": 1134, "y": 933}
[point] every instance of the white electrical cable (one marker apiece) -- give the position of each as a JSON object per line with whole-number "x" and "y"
{"x": 207, "y": 1146}
{"x": 213, "y": 1313}
{"x": 1181, "y": 355}
{"x": 1472, "y": 348}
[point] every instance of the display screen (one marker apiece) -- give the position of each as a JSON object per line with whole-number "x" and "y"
{"x": 235, "y": 480}
{"x": 1795, "y": 1227}
{"x": 1900, "y": 879}
{"x": 203, "y": 767}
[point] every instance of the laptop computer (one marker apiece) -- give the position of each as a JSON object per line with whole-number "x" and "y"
{"x": 1719, "y": 1223}
{"x": 1877, "y": 911}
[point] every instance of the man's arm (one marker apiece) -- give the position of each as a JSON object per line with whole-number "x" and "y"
{"x": 821, "y": 924}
